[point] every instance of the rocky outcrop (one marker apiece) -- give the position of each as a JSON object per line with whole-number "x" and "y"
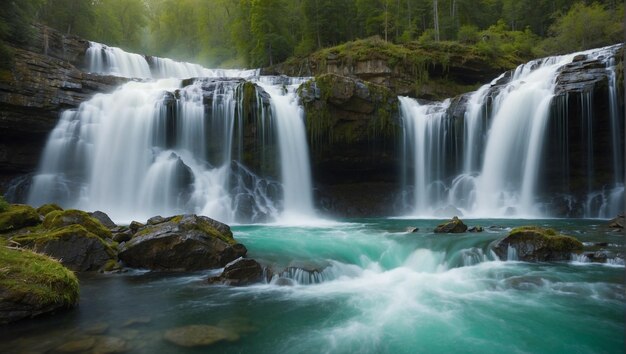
{"x": 240, "y": 272}
{"x": 74, "y": 246}
{"x": 184, "y": 242}
{"x": 432, "y": 72}
{"x": 32, "y": 284}
{"x": 17, "y": 217}
{"x": 77, "y": 240}
{"x": 45, "y": 80}
{"x": 453, "y": 226}
{"x": 352, "y": 126}
{"x": 535, "y": 244}
{"x": 617, "y": 222}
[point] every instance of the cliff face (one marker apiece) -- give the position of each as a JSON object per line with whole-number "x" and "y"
{"x": 352, "y": 127}
{"x": 45, "y": 80}
{"x": 432, "y": 72}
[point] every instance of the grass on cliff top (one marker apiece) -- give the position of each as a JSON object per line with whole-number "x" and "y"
{"x": 420, "y": 53}
{"x": 44, "y": 280}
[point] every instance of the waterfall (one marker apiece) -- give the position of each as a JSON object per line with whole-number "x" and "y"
{"x": 294, "y": 152}
{"x": 169, "y": 146}
{"x": 102, "y": 59}
{"x": 502, "y": 144}
{"x": 150, "y": 148}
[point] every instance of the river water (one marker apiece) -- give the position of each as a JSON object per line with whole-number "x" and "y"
{"x": 362, "y": 286}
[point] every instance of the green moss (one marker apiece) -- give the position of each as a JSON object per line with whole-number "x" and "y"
{"x": 206, "y": 227}
{"x": 4, "y": 205}
{"x": 47, "y": 208}
{"x": 41, "y": 235}
{"x": 325, "y": 128}
{"x": 552, "y": 239}
{"x": 36, "y": 277}
{"x": 18, "y": 216}
{"x": 111, "y": 265}
{"x": 60, "y": 218}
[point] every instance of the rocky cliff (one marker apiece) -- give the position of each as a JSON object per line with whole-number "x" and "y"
{"x": 352, "y": 127}
{"x": 432, "y": 72}
{"x": 45, "y": 80}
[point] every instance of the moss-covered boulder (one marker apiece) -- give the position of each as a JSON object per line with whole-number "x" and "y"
{"x": 47, "y": 208}
{"x": 184, "y": 242}
{"x": 33, "y": 284}
{"x": 61, "y": 218}
{"x": 451, "y": 226}
{"x": 18, "y": 216}
{"x": 74, "y": 246}
{"x": 536, "y": 244}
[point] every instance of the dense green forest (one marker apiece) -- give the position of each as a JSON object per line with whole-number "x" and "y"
{"x": 253, "y": 33}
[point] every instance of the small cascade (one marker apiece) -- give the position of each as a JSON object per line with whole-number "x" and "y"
{"x": 102, "y": 59}
{"x": 426, "y": 137}
{"x": 494, "y": 165}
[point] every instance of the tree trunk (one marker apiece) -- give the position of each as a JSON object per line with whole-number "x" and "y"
{"x": 436, "y": 18}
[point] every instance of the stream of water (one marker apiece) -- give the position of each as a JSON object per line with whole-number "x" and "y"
{"x": 362, "y": 286}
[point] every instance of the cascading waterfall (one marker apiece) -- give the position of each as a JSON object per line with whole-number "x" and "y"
{"x": 503, "y": 138}
{"x": 158, "y": 147}
{"x": 102, "y": 59}
{"x": 294, "y": 153}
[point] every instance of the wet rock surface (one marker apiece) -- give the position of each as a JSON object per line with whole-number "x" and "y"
{"x": 451, "y": 227}
{"x": 184, "y": 242}
{"x": 243, "y": 271}
{"x": 535, "y": 244}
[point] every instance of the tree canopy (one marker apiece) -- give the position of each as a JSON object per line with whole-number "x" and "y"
{"x": 265, "y": 32}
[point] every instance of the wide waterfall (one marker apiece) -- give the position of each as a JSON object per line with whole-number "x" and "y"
{"x": 169, "y": 146}
{"x": 490, "y": 163}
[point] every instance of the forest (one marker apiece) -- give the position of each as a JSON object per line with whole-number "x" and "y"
{"x": 255, "y": 33}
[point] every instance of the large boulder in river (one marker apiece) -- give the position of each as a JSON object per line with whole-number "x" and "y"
{"x": 535, "y": 244}
{"x": 183, "y": 242}
{"x": 617, "y": 222}
{"x": 33, "y": 284}
{"x": 453, "y": 226}
{"x": 243, "y": 271}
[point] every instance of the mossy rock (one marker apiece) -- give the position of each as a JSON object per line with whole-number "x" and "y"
{"x": 75, "y": 246}
{"x": 18, "y": 216}
{"x": 61, "y": 218}
{"x": 536, "y": 244}
{"x": 33, "y": 284}
{"x": 47, "y": 208}
{"x": 183, "y": 242}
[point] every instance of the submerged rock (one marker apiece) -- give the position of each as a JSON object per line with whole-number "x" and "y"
{"x": 452, "y": 226}
{"x": 184, "y": 242}
{"x": 476, "y": 228}
{"x": 198, "y": 335}
{"x": 32, "y": 284}
{"x": 535, "y": 244}
{"x": 411, "y": 229}
{"x": 243, "y": 271}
